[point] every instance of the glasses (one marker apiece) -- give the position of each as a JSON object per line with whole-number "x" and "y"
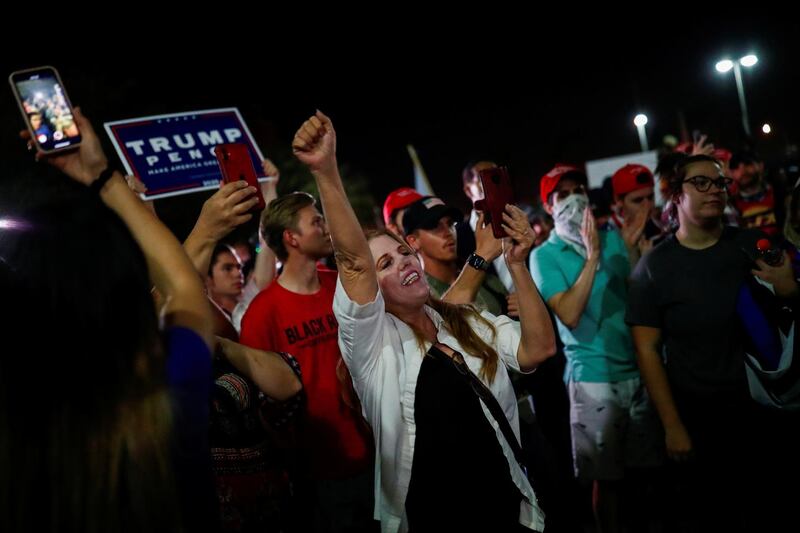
{"x": 580, "y": 189}
{"x": 703, "y": 183}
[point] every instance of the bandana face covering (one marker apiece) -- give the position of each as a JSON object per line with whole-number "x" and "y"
{"x": 568, "y": 219}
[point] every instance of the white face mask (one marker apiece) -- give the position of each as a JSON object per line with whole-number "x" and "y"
{"x": 568, "y": 218}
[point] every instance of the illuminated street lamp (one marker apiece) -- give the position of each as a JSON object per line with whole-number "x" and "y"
{"x": 639, "y": 121}
{"x": 724, "y": 66}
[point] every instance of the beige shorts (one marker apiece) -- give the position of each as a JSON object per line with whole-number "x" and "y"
{"x": 614, "y": 427}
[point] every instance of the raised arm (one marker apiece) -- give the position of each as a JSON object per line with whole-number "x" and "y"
{"x": 222, "y": 213}
{"x": 170, "y": 269}
{"x": 266, "y": 261}
{"x": 538, "y": 338}
{"x": 314, "y": 145}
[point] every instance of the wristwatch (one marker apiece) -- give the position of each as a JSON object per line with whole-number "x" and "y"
{"x": 477, "y": 262}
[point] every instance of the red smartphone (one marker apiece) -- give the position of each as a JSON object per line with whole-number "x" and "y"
{"x": 497, "y": 193}
{"x": 46, "y": 108}
{"x": 235, "y": 163}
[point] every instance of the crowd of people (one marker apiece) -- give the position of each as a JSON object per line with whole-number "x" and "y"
{"x": 592, "y": 370}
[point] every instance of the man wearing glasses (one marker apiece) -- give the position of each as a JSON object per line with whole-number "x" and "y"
{"x": 581, "y": 273}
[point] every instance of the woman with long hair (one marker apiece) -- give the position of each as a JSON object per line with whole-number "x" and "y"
{"x": 103, "y": 415}
{"x": 432, "y": 377}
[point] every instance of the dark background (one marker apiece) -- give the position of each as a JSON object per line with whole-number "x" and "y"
{"x": 528, "y": 96}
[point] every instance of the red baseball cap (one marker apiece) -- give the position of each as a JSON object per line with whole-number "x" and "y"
{"x": 549, "y": 181}
{"x": 631, "y": 178}
{"x": 399, "y": 199}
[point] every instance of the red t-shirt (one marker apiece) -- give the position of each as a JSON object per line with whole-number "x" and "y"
{"x": 303, "y": 325}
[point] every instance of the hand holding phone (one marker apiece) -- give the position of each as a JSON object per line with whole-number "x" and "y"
{"x": 86, "y": 163}
{"x": 235, "y": 164}
{"x": 48, "y": 113}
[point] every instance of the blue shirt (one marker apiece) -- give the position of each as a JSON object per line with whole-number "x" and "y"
{"x": 600, "y": 348}
{"x": 189, "y": 379}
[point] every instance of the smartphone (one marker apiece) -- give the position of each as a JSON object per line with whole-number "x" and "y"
{"x": 46, "y": 108}
{"x": 497, "y": 192}
{"x": 235, "y": 163}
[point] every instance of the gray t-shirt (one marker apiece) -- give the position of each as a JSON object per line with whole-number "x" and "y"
{"x": 691, "y": 296}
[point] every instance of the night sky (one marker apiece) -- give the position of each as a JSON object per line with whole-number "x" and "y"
{"x": 527, "y": 96}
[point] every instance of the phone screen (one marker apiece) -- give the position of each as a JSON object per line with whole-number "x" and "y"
{"x": 46, "y": 108}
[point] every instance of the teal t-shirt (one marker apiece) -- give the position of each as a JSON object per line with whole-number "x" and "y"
{"x": 600, "y": 348}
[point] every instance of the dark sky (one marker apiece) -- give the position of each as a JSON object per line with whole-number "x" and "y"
{"x": 526, "y": 96}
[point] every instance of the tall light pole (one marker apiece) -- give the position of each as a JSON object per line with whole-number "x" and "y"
{"x": 724, "y": 66}
{"x": 639, "y": 121}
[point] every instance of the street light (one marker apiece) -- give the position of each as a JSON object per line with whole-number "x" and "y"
{"x": 724, "y": 66}
{"x": 639, "y": 121}
{"x": 749, "y": 60}
{"x": 766, "y": 128}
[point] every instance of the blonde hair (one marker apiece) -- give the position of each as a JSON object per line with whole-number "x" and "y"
{"x": 280, "y": 215}
{"x": 456, "y": 320}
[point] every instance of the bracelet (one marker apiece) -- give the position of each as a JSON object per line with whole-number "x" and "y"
{"x": 98, "y": 184}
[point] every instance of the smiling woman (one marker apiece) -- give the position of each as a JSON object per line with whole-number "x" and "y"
{"x": 432, "y": 370}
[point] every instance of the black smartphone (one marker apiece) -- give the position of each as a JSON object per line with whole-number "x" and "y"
{"x": 46, "y": 108}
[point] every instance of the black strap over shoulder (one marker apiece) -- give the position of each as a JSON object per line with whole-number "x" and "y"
{"x": 483, "y": 392}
